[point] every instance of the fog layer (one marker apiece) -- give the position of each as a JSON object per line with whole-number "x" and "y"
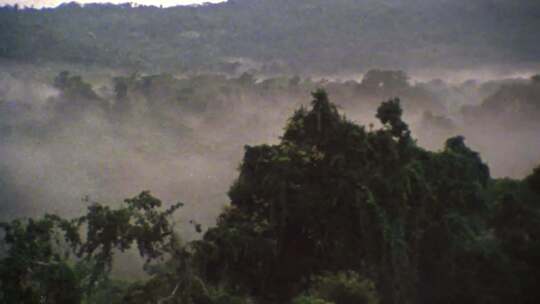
{"x": 108, "y": 135}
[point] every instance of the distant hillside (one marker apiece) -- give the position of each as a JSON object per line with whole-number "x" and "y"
{"x": 279, "y": 35}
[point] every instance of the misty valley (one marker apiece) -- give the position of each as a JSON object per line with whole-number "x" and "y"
{"x": 269, "y": 151}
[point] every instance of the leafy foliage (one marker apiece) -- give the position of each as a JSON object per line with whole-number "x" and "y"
{"x": 34, "y": 269}
{"x": 345, "y": 288}
{"x": 533, "y": 180}
{"x": 38, "y": 265}
{"x": 333, "y": 197}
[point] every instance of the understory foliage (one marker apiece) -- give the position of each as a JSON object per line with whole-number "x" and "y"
{"x": 340, "y": 288}
{"x": 334, "y": 213}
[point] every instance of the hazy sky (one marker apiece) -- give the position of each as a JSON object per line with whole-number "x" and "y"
{"x": 53, "y": 3}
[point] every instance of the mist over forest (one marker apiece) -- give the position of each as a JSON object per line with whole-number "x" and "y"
{"x": 303, "y": 152}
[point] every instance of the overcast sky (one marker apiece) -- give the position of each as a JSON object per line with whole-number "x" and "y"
{"x": 53, "y": 3}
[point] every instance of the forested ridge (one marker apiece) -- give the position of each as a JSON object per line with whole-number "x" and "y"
{"x": 279, "y": 35}
{"x": 333, "y": 213}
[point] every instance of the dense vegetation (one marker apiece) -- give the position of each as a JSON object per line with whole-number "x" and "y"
{"x": 333, "y": 213}
{"x": 401, "y": 209}
{"x": 279, "y": 35}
